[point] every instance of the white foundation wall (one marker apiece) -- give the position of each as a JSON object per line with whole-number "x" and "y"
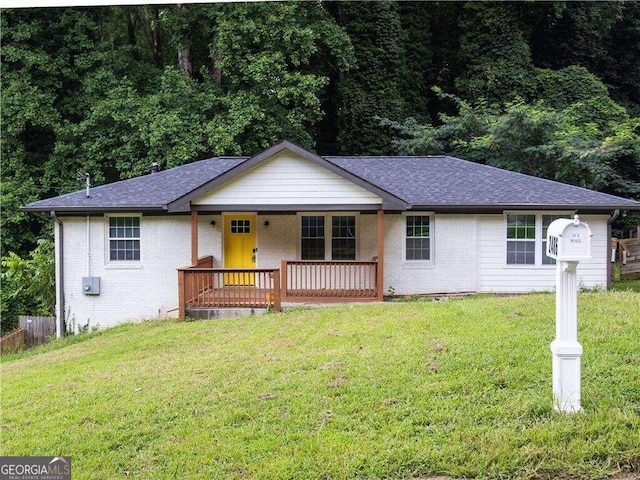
{"x": 454, "y": 264}
{"x": 496, "y": 276}
{"x": 129, "y": 291}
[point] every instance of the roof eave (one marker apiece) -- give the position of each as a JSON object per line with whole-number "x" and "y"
{"x": 95, "y": 209}
{"x": 499, "y": 207}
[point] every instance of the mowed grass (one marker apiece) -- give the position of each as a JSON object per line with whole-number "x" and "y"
{"x": 631, "y": 284}
{"x": 395, "y": 390}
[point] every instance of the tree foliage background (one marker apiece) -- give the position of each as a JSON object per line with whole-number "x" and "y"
{"x": 545, "y": 88}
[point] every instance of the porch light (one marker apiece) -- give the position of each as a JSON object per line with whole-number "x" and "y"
{"x": 213, "y": 224}
{"x": 266, "y": 223}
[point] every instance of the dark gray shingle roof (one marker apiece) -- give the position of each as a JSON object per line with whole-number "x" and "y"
{"x": 428, "y": 182}
{"x": 449, "y": 181}
{"x": 148, "y": 192}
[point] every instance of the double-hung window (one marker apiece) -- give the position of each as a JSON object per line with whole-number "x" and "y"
{"x": 546, "y": 221}
{"x": 312, "y": 238}
{"x": 316, "y": 244}
{"x": 521, "y": 239}
{"x": 418, "y": 237}
{"x": 124, "y": 239}
{"x": 527, "y": 238}
{"x": 343, "y": 237}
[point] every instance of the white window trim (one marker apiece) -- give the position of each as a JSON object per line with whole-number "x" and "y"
{"x": 120, "y": 264}
{"x": 419, "y": 263}
{"x": 538, "y": 240}
{"x": 327, "y": 233}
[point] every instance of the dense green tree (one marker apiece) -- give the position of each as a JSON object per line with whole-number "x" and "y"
{"x": 494, "y": 55}
{"x": 97, "y": 90}
{"x": 536, "y": 139}
{"x": 620, "y": 68}
{"x": 415, "y": 69}
{"x": 275, "y": 60}
{"x": 575, "y": 35}
{"x": 603, "y": 37}
{"x": 43, "y": 58}
{"x": 373, "y": 87}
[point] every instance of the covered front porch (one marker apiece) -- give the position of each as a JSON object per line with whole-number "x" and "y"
{"x": 225, "y": 281}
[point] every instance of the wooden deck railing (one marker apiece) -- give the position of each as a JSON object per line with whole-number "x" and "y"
{"x": 227, "y": 288}
{"x": 308, "y": 280}
{"x": 204, "y": 262}
{"x": 201, "y": 286}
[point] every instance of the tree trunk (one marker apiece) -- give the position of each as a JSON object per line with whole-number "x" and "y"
{"x": 184, "y": 55}
{"x": 150, "y": 16}
{"x": 216, "y": 71}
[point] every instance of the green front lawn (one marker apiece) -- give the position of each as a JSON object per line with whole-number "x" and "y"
{"x": 394, "y": 390}
{"x": 632, "y": 285}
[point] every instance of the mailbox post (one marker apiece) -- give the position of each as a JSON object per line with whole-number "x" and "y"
{"x": 568, "y": 241}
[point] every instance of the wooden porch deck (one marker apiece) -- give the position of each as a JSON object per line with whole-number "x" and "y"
{"x": 204, "y": 287}
{"x": 233, "y": 296}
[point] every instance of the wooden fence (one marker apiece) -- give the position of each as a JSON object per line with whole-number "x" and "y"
{"x": 38, "y": 329}
{"x": 13, "y": 342}
{"x": 629, "y": 256}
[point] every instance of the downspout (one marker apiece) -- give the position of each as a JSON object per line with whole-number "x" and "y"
{"x": 613, "y": 218}
{"x": 88, "y": 246}
{"x": 59, "y": 273}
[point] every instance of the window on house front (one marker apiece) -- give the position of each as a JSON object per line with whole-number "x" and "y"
{"x": 418, "y": 237}
{"x": 312, "y": 238}
{"x": 527, "y": 238}
{"x": 316, "y": 244}
{"x": 343, "y": 237}
{"x": 521, "y": 239}
{"x": 124, "y": 238}
{"x": 546, "y": 221}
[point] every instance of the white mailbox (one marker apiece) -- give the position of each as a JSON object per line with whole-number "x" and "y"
{"x": 569, "y": 240}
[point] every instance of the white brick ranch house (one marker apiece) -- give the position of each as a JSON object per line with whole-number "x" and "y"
{"x": 290, "y": 225}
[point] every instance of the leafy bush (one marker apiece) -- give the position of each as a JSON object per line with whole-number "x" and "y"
{"x": 28, "y": 284}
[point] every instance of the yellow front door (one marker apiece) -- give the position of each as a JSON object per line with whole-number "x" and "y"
{"x": 239, "y": 248}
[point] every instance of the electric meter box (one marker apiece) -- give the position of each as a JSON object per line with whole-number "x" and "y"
{"x": 569, "y": 240}
{"x": 91, "y": 285}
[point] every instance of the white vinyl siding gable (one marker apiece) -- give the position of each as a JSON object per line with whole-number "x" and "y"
{"x": 287, "y": 179}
